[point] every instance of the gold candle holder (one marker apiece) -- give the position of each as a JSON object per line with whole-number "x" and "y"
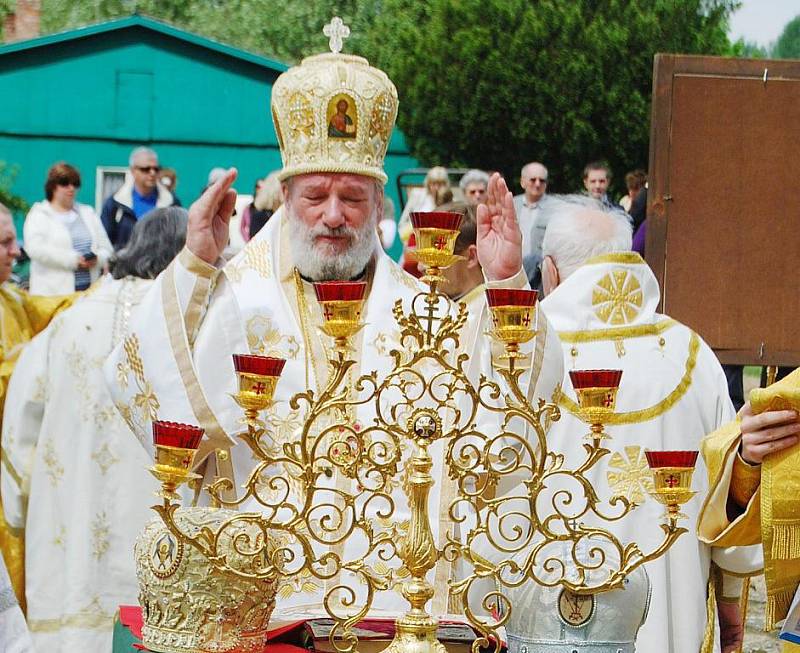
{"x": 176, "y": 445}
{"x": 672, "y": 477}
{"x": 597, "y": 397}
{"x": 512, "y": 316}
{"x": 258, "y": 376}
{"x": 435, "y": 233}
{"x": 341, "y": 302}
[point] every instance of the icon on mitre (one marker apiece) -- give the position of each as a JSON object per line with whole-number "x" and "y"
{"x": 342, "y": 117}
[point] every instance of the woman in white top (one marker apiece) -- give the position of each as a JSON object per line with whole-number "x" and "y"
{"x": 65, "y": 240}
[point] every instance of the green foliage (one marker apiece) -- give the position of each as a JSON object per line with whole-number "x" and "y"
{"x": 14, "y": 203}
{"x": 497, "y": 83}
{"x": 788, "y": 44}
{"x": 285, "y": 29}
{"x": 749, "y": 50}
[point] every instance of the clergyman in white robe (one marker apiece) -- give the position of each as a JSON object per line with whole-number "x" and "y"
{"x": 82, "y": 491}
{"x": 673, "y": 391}
{"x": 197, "y": 316}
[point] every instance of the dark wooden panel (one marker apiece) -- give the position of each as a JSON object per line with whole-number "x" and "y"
{"x": 724, "y": 202}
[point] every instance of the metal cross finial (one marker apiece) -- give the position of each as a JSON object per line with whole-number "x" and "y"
{"x": 336, "y": 31}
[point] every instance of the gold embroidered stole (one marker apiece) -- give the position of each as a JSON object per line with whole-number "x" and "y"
{"x": 780, "y": 504}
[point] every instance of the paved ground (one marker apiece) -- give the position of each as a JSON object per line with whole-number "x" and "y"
{"x": 755, "y": 639}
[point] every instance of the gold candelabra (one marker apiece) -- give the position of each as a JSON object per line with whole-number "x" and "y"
{"x": 298, "y": 516}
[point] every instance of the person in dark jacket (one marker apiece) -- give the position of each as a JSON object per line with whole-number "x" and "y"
{"x": 140, "y": 193}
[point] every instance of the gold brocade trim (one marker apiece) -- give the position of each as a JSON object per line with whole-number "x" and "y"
{"x": 786, "y": 539}
{"x": 13, "y": 473}
{"x": 217, "y": 438}
{"x": 196, "y": 265}
{"x": 640, "y": 331}
{"x": 195, "y": 308}
{"x": 628, "y": 258}
{"x": 87, "y": 620}
{"x": 646, "y": 414}
{"x": 777, "y": 607}
{"x": 707, "y": 645}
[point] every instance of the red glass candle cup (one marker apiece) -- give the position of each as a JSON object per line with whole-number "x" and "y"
{"x": 258, "y": 365}
{"x": 595, "y": 378}
{"x": 511, "y": 297}
{"x": 340, "y": 291}
{"x": 658, "y": 459}
{"x": 173, "y": 434}
{"x": 445, "y": 220}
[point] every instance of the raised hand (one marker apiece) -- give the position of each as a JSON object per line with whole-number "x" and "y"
{"x": 499, "y": 239}
{"x": 209, "y": 218}
{"x": 767, "y": 432}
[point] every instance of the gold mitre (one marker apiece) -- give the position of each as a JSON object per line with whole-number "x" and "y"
{"x": 187, "y": 605}
{"x": 334, "y": 113}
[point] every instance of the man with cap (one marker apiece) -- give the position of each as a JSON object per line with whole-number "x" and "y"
{"x": 202, "y": 310}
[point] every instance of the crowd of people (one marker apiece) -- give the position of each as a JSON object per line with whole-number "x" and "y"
{"x": 153, "y": 339}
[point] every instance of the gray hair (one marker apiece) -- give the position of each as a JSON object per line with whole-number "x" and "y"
{"x": 473, "y": 176}
{"x": 141, "y": 151}
{"x": 580, "y": 228}
{"x": 156, "y": 240}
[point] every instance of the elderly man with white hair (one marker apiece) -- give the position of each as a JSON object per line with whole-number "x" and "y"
{"x": 602, "y": 300}
{"x": 202, "y": 310}
{"x": 141, "y": 193}
{"x": 473, "y": 185}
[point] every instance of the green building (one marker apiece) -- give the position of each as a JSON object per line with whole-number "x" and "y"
{"x": 88, "y": 96}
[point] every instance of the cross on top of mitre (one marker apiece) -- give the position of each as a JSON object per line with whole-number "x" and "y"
{"x": 336, "y": 31}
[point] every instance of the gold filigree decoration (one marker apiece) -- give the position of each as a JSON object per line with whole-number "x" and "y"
{"x": 301, "y": 114}
{"x": 144, "y": 404}
{"x": 104, "y": 458}
{"x": 255, "y": 257}
{"x": 617, "y": 297}
{"x": 55, "y": 470}
{"x": 651, "y": 412}
{"x": 628, "y": 474}
{"x": 101, "y": 531}
{"x": 382, "y": 118}
{"x": 302, "y": 583}
{"x": 265, "y": 340}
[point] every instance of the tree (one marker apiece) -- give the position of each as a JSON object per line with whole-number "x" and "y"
{"x": 788, "y": 44}
{"x": 497, "y": 83}
{"x": 285, "y": 29}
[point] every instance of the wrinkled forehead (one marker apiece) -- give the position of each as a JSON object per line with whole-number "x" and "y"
{"x": 535, "y": 170}
{"x": 328, "y": 182}
{"x": 597, "y": 174}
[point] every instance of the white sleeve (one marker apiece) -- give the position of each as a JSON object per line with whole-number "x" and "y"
{"x": 22, "y": 423}
{"x": 36, "y": 235}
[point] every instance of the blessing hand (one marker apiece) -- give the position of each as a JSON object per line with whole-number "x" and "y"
{"x": 499, "y": 239}
{"x": 207, "y": 232}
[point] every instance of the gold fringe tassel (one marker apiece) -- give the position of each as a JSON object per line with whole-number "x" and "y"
{"x": 786, "y": 540}
{"x": 777, "y": 607}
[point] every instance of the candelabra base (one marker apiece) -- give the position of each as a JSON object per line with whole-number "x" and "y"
{"x": 416, "y": 633}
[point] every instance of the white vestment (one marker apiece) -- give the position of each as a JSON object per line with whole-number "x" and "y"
{"x": 14, "y": 636}
{"x": 74, "y": 478}
{"x": 673, "y": 391}
{"x": 195, "y": 318}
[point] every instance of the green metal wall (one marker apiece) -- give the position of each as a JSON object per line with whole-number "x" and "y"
{"x": 89, "y": 101}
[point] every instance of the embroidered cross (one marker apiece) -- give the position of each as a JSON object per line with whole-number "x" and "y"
{"x": 336, "y": 31}
{"x": 259, "y": 388}
{"x": 526, "y": 321}
{"x": 440, "y": 242}
{"x": 608, "y": 400}
{"x": 328, "y": 313}
{"x": 671, "y": 481}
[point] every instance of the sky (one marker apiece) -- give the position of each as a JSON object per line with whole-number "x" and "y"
{"x": 762, "y": 21}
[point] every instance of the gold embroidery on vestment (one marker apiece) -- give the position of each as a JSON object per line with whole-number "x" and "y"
{"x": 637, "y": 416}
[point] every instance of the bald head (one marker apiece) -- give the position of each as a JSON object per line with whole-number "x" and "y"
{"x": 533, "y": 180}
{"x": 578, "y": 230}
{"x": 9, "y": 250}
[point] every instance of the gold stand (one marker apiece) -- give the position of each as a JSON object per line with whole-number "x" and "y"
{"x": 426, "y": 397}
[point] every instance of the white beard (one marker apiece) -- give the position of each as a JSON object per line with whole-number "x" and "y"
{"x": 317, "y": 262}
